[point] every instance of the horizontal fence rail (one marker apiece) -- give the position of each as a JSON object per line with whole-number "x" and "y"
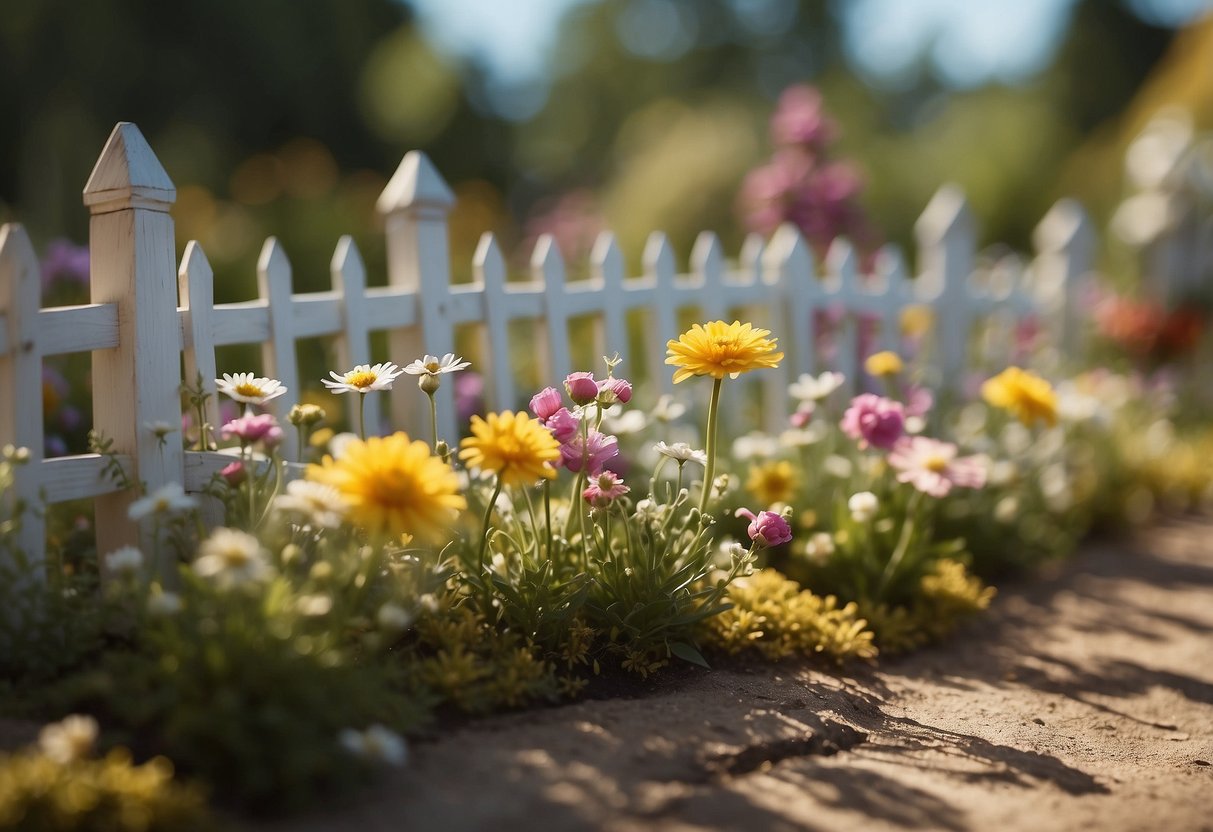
{"x": 151, "y": 317}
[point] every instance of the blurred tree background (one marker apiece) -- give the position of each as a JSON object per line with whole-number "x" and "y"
{"x": 284, "y": 117}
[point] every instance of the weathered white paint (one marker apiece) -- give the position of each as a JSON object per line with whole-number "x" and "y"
{"x": 133, "y": 265}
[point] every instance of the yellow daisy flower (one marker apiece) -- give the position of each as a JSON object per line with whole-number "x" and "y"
{"x": 884, "y": 363}
{"x": 772, "y": 482}
{"x": 1026, "y": 395}
{"x": 393, "y": 485}
{"x": 512, "y": 445}
{"x": 718, "y": 349}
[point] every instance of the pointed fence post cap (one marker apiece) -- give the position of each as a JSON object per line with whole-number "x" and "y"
{"x": 128, "y": 175}
{"x": 947, "y": 213}
{"x": 1065, "y": 224}
{"x": 416, "y": 184}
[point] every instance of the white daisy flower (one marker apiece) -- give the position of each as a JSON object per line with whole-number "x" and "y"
{"x": 168, "y": 499}
{"x": 125, "y": 561}
{"x": 681, "y": 452}
{"x": 810, "y": 389}
{"x": 376, "y": 744}
{"x": 755, "y": 446}
{"x": 314, "y": 605}
{"x": 433, "y": 366}
{"x": 231, "y": 558}
{"x": 364, "y": 378}
{"x": 668, "y": 409}
{"x": 248, "y": 388}
{"x": 819, "y": 547}
{"x": 321, "y": 504}
{"x": 161, "y": 603}
{"x": 863, "y": 506}
{"x": 69, "y": 740}
{"x": 393, "y": 618}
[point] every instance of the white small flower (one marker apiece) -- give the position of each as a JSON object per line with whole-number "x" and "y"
{"x": 163, "y": 604}
{"x": 1002, "y": 472}
{"x": 376, "y": 744}
{"x": 819, "y": 547}
{"x": 339, "y": 442}
{"x": 314, "y": 605}
{"x": 125, "y": 561}
{"x": 838, "y": 466}
{"x": 232, "y": 558}
{"x": 625, "y": 423}
{"x": 863, "y": 506}
{"x": 915, "y": 425}
{"x": 810, "y": 389}
{"x": 321, "y": 504}
{"x": 681, "y": 452}
{"x": 755, "y": 446}
{"x": 813, "y": 433}
{"x": 364, "y": 378}
{"x": 1007, "y": 509}
{"x": 393, "y": 618}
{"x": 168, "y": 499}
{"x": 248, "y": 388}
{"x": 159, "y": 429}
{"x": 668, "y": 409}
{"x": 432, "y": 366}
{"x": 69, "y": 740}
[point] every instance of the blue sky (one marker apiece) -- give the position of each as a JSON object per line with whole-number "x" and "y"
{"x": 970, "y": 41}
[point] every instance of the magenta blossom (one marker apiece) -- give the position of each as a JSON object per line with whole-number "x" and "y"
{"x": 767, "y": 528}
{"x": 874, "y": 420}
{"x": 233, "y": 473}
{"x": 250, "y": 428}
{"x": 581, "y": 387}
{"x": 545, "y": 403}
{"x": 933, "y": 468}
{"x": 591, "y": 453}
{"x": 563, "y": 424}
{"x": 611, "y": 390}
{"x": 604, "y": 489}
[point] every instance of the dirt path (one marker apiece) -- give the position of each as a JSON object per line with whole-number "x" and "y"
{"x": 1084, "y": 701}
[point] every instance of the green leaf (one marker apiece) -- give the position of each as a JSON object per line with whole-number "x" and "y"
{"x": 688, "y": 653}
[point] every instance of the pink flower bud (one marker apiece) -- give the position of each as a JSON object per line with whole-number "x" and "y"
{"x": 766, "y": 528}
{"x": 611, "y": 390}
{"x": 874, "y": 420}
{"x": 248, "y": 429}
{"x": 545, "y": 403}
{"x": 233, "y": 474}
{"x": 581, "y": 387}
{"x": 563, "y": 425}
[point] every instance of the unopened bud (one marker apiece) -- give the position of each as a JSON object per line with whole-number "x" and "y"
{"x": 429, "y": 384}
{"x": 306, "y": 415}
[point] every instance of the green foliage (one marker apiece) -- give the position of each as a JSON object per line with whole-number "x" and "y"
{"x": 40, "y": 794}
{"x": 772, "y": 616}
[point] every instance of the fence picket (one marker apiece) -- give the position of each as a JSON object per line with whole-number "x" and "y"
{"x": 946, "y": 235}
{"x": 21, "y": 387}
{"x": 1065, "y": 246}
{"x": 278, "y": 355}
{"x": 658, "y": 261}
{"x": 354, "y": 344}
{"x": 606, "y": 265}
{"x": 196, "y": 291}
{"x": 489, "y": 267}
{"x": 547, "y": 269}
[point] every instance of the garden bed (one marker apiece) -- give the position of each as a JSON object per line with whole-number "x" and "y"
{"x": 1084, "y": 700}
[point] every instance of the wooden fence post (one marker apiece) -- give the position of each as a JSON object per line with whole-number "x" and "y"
{"x": 414, "y": 206}
{"x": 946, "y": 236}
{"x": 21, "y": 387}
{"x": 1065, "y": 246}
{"x": 658, "y": 261}
{"x": 136, "y": 385}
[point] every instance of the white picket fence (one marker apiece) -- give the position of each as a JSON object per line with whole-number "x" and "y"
{"x": 147, "y": 314}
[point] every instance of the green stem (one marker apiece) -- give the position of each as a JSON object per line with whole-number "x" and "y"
{"x": 484, "y": 542}
{"x": 433, "y": 422}
{"x": 547, "y": 514}
{"x": 361, "y": 420}
{"x": 903, "y": 543}
{"x": 709, "y": 472}
{"x": 246, "y": 452}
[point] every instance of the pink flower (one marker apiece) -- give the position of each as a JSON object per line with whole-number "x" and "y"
{"x": 581, "y": 387}
{"x": 933, "y": 468}
{"x": 545, "y": 403}
{"x": 620, "y": 390}
{"x": 767, "y": 528}
{"x": 233, "y": 473}
{"x": 604, "y": 489}
{"x": 591, "y": 454}
{"x": 250, "y": 428}
{"x": 918, "y": 400}
{"x": 563, "y": 424}
{"x": 874, "y": 420}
